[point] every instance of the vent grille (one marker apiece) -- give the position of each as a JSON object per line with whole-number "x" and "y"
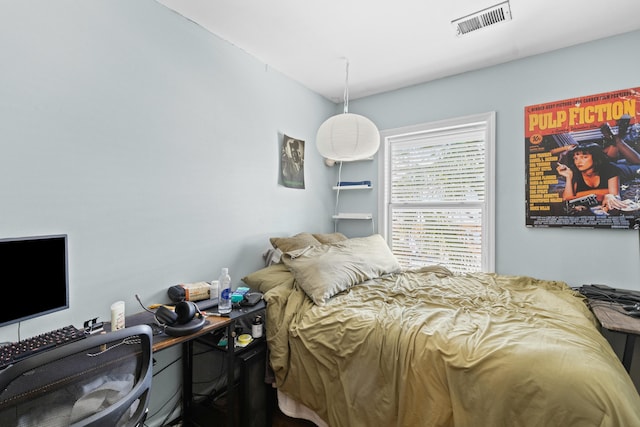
{"x": 484, "y": 18}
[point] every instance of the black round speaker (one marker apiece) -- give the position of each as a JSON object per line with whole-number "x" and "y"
{"x": 181, "y": 321}
{"x": 192, "y": 326}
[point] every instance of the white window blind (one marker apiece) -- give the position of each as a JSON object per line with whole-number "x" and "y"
{"x": 438, "y": 187}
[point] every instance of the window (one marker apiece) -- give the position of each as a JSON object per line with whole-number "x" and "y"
{"x": 437, "y": 187}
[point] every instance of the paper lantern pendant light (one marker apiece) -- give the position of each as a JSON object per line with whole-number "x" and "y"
{"x": 347, "y": 137}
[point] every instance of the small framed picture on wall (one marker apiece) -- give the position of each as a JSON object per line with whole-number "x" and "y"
{"x": 292, "y": 162}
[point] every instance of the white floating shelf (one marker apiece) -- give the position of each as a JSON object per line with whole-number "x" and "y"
{"x": 353, "y": 216}
{"x": 352, "y": 187}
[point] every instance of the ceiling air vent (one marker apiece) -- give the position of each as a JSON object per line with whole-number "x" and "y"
{"x": 483, "y": 18}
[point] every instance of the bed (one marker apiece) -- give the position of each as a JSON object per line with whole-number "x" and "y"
{"x": 360, "y": 342}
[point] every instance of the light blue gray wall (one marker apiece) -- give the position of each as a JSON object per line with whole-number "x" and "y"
{"x": 155, "y": 146}
{"x": 152, "y": 143}
{"x": 573, "y": 255}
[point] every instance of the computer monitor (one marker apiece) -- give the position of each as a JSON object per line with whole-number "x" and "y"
{"x": 34, "y": 278}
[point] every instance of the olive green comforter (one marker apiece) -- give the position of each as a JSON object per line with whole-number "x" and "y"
{"x": 428, "y": 348}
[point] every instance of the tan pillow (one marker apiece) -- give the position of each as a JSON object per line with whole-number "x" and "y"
{"x": 325, "y": 270}
{"x": 269, "y": 277}
{"x": 299, "y": 241}
{"x": 330, "y": 238}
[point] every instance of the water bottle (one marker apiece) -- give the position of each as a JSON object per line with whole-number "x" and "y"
{"x": 224, "y": 292}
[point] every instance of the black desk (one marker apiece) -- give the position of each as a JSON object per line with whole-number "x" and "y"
{"x": 212, "y": 324}
{"x": 613, "y": 317}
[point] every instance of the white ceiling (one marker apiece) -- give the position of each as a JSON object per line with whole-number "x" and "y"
{"x": 390, "y": 45}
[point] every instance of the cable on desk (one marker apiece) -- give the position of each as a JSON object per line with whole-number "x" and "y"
{"x": 614, "y": 299}
{"x": 167, "y": 365}
{"x": 610, "y": 294}
{"x": 175, "y": 406}
{"x": 177, "y": 393}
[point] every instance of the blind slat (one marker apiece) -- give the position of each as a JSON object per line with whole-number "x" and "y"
{"x": 428, "y": 172}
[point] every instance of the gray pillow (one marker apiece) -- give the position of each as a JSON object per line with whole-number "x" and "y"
{"x": 325, "y": 270}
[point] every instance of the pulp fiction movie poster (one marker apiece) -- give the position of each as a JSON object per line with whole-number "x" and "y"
{"x": 582, "y": 159}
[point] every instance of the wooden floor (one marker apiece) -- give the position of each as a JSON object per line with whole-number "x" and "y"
{"x": 202, "y": 415}
{"x": 278, "y": 420}
{"x": 281, "y": 420}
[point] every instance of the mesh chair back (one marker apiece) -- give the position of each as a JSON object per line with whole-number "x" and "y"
{"x": 102, "y": 380}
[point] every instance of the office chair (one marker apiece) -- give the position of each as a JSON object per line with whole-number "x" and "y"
{"x": 103, "y": 380}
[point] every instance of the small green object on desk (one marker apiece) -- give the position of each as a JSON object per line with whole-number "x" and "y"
{"x": 238, "y": 294}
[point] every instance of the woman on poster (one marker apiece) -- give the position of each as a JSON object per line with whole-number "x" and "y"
{"x": 588, "y": 171}
{"x": 618, "y": 150}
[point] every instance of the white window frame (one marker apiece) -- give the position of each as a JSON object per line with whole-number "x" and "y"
{"x": 427, "y": 130}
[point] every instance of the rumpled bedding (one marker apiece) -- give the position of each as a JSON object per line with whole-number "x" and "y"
{"x": 429, "y": 348}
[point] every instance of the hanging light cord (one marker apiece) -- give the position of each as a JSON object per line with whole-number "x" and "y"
{"x": 346, "y": 88}
{"x": 335, "y": 210}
